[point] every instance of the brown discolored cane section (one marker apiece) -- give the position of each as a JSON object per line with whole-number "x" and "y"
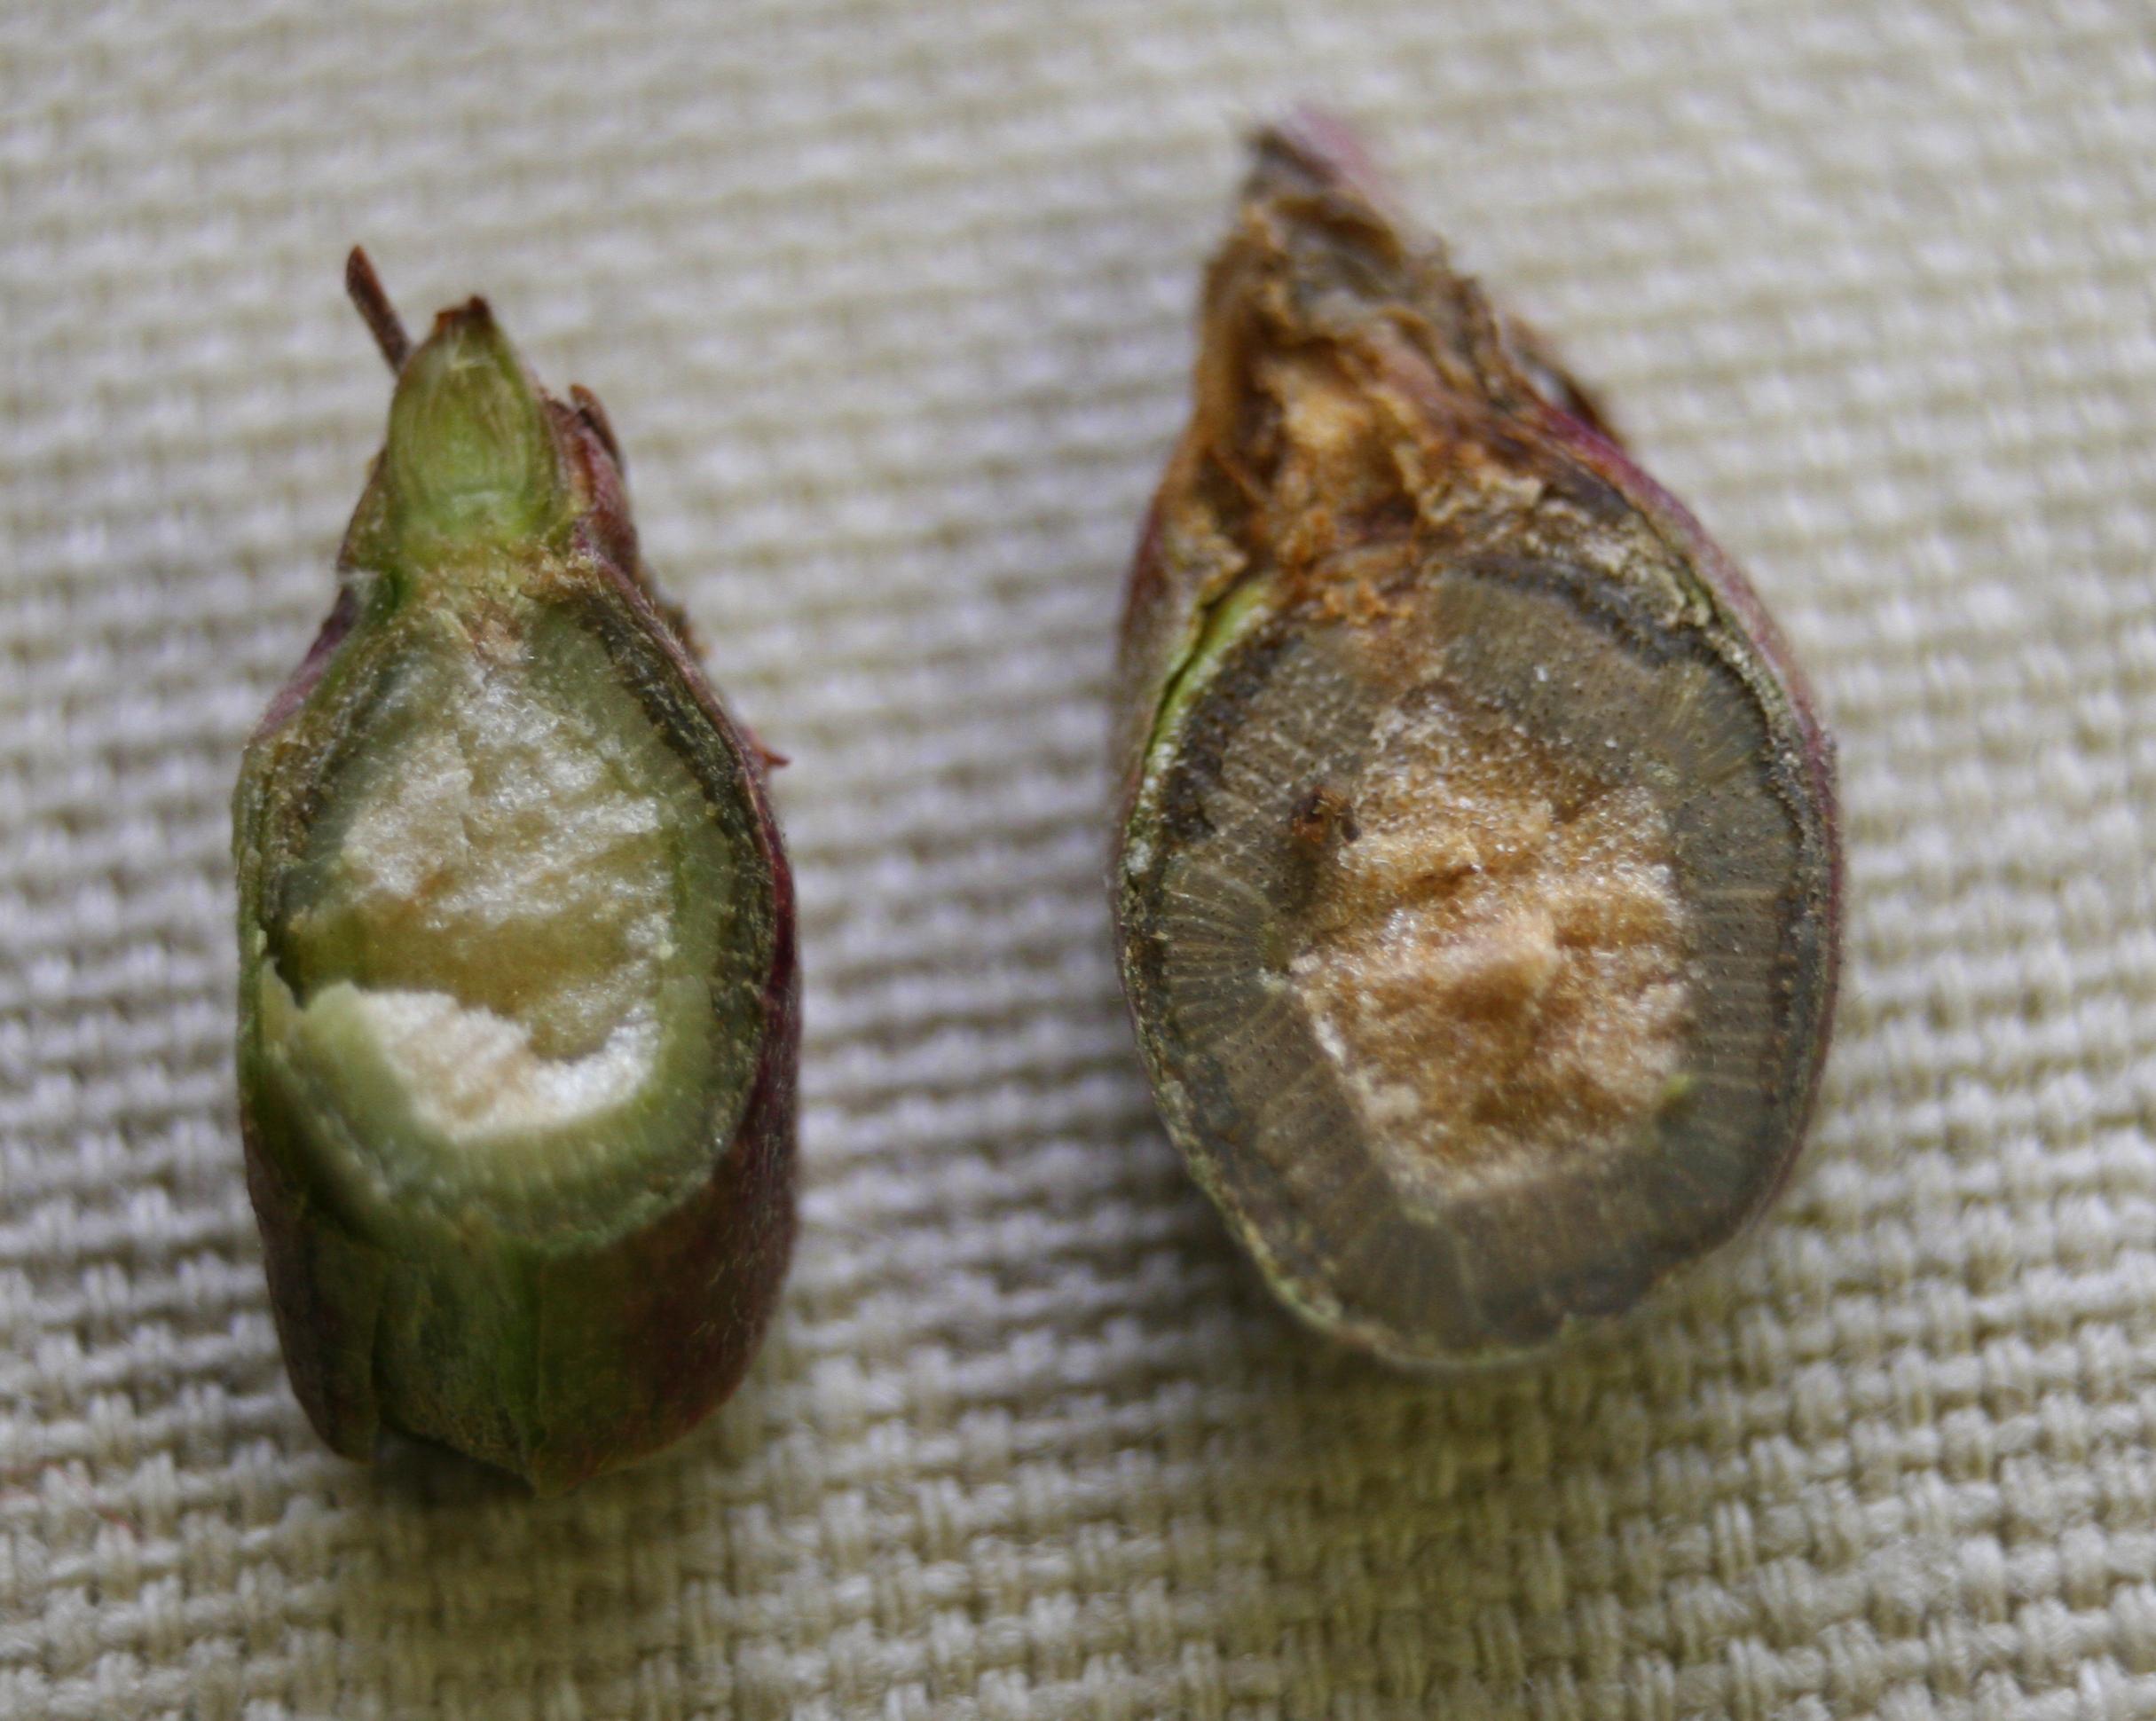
{"x": 1477, "y": 881}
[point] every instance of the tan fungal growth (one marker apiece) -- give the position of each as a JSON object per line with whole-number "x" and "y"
{"x": 1477, "y": 881}
{"x": 1496, "y": 959}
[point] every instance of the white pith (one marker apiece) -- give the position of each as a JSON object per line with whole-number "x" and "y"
{"x": 520, "y": 881}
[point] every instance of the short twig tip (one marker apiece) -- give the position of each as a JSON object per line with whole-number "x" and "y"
{"x": 1317, "y": 147}
{"x": 365, "y": 288}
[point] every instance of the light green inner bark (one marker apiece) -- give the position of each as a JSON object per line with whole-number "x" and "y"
{"x": 492, "y": 967}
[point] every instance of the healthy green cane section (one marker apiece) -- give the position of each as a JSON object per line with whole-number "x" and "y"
{"x": 505, "y": 932}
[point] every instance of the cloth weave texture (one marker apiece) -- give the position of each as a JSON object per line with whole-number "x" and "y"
{"x": 891, "y": 306}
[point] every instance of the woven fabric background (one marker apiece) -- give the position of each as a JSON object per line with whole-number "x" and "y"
{"x": 892, "y": 306}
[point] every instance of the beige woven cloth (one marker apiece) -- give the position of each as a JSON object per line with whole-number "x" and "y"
{"x": 891, "y": 306}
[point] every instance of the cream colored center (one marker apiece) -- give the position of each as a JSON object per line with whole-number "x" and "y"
{"x": 1497, "y": 964}
{"x": 511, "y": 895}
